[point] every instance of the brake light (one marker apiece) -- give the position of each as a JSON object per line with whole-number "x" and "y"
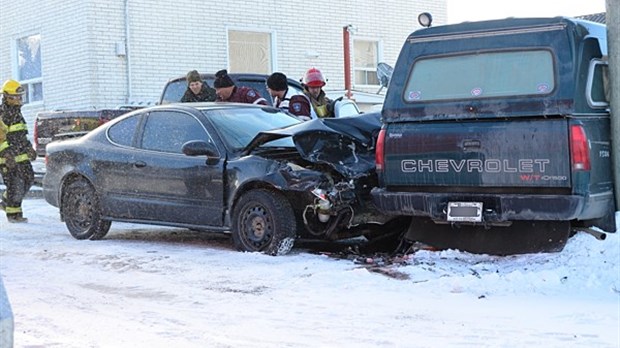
{"x": 379, "y": 159}
{"x": 579, "y": 148}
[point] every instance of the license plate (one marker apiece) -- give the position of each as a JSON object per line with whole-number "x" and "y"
{"x": 465, "y": 211}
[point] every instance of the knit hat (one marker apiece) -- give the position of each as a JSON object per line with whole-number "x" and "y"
{"x": 222, "y": 79}
{"x": 277, "y": 82}
{"x": 193, "y": 76}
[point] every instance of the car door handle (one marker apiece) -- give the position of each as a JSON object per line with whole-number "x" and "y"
{"x": 139, "y": 164}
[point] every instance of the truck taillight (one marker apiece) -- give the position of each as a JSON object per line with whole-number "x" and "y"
{"x": 379, "y": 159}
{"x": 579, "y": 149}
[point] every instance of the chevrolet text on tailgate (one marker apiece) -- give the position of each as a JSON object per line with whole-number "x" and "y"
{"x": 496, "y": 135}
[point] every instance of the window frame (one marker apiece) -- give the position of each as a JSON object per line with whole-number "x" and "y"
{"x": 172, "y": 115}
{"x": 590, "y": 83}
{"x": 272, "y": 51}
{"x": 355, "y": 69}
{"x": 27, "y": 84}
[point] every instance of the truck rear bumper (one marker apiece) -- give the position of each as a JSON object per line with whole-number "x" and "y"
{"x": 496, "y": 207}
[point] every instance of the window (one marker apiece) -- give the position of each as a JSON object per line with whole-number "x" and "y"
{"x": 122, "y": 132}
{"x": 366, "y": 55}
{"x": 598, "y": 91}
{"x": 481, "y": 75}
{"x": 29, "y": 67}
{"x": 250, "y": 51}
{"x": 167, "y": 131}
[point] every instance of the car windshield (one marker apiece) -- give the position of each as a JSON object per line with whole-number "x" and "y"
{"x": 238, "y": 126}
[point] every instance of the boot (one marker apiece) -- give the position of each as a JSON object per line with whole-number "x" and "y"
{"x": 16, "y": 219}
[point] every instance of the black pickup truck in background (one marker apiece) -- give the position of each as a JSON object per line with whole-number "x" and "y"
{"x": 496, "y": 135}
{"x": 175, "y": 88}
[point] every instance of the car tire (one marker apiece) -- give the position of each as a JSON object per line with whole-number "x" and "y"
{"x": 81, "y": 211}
{"x": 264, "y": 221}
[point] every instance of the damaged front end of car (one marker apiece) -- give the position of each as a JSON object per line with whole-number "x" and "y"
{"x": 329, "y": 177}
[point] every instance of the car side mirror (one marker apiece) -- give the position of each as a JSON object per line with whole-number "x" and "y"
{"x": 202, "y": 148}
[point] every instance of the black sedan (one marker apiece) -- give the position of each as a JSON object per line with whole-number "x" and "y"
{"x": 253, "y": 171}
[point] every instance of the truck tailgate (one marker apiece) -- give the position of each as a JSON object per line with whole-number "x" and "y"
{"x": 510, "y": 153}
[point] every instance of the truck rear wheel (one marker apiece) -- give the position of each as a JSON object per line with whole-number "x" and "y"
{"x": 521, "y": 237}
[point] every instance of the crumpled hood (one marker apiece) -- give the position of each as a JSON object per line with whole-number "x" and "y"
{"x": 347, "y": 144}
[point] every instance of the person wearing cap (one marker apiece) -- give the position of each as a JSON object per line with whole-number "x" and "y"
{"x": 277, "y": 86}
{"x": 197, "y": 90}
{"x": 227, "y": 91}
{"x": 313, "y": 103}
{"x": 16, "y": 152}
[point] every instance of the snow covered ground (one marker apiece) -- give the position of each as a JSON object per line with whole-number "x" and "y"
{"x": 147, "y": 286}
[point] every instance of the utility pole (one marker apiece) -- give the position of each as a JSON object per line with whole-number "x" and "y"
{"x": 612, "y": 19}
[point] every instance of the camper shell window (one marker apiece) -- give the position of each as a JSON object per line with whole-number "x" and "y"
{"x": 481, "y": 75}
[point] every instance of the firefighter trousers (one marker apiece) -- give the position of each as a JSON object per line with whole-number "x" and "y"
{"x": 18, "y": 180}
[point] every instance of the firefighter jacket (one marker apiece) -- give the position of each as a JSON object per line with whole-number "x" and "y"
{"x": 245, "y": 95}
{"x": 16, "y": 147}
{"x": 307, "y": 105}
{"x": 283, "y": 103}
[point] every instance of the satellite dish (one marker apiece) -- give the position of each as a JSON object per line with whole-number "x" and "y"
{"x": 384, "y": 74}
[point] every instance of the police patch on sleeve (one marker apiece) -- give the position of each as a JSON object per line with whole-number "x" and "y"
{"x": 297, "y": 107}
{"x": 251, "y": 93}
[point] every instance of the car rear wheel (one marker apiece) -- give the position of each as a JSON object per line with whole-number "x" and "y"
{"x": 264, "y": 221}
{"x": 81, "y": 212}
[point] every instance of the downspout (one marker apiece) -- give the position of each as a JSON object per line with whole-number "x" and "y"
{"x": 347, "y": 58}
{"x": 127, "y": 55}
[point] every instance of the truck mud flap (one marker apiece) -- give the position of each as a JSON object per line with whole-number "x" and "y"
{"x": 521, "y": 237}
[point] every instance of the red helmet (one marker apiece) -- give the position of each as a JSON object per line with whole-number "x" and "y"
{"x": 314, "y": 78}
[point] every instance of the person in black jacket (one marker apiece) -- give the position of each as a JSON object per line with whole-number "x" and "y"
{"x": 227, "y": 91}
{"x": 197, "y": 90}
{"x": 16, "y": 152}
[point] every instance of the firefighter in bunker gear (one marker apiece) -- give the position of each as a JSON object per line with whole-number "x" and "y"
{"x": 313, "y": 103}
{"x": 16, "y": 152}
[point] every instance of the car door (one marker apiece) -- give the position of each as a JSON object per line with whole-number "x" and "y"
{"x": 167, "y": 185}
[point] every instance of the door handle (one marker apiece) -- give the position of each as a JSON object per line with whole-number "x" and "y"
{"x": 139, "y": 164}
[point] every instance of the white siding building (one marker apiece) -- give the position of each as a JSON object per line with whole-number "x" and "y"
{"x": 89, "y": 54}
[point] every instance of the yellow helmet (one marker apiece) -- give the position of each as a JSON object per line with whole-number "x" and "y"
{"x": 12, "y": 87}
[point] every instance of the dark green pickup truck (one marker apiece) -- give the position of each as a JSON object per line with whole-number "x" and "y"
{"x": 496, "y": 135}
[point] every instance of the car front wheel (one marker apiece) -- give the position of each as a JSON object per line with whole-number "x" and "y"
{"x": 81, "y": 212}
{"x": 263, "y": 221}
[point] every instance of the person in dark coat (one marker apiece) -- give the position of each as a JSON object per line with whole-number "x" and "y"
{"x": 277, "y": 86}
{"x": 16, "y": 152}
{"x": 197, "y": 90}
{"x": 227, "y": 91}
